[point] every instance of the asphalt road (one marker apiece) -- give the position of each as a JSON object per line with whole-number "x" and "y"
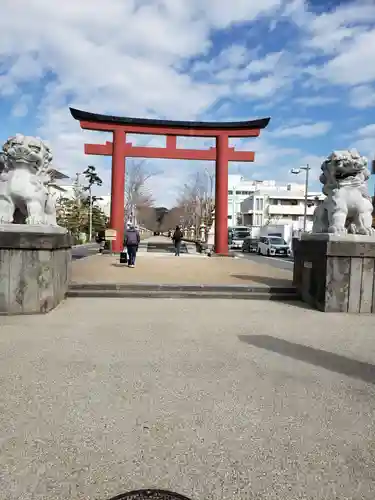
{"x": 81, "y": 251}
{"x": 279, "y": 262}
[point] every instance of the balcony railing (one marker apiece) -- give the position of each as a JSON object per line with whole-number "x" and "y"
{"x": 290, "y": 210}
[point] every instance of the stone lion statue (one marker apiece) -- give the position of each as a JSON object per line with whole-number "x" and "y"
{"x": 347, "y": 207}
{"x": 24, "y": 179}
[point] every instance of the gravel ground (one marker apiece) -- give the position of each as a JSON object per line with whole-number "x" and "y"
{"x": 213, "y": 399}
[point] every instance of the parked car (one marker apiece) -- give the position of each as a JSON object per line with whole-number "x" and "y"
{"x": 236, "y": 236}
{"x": 250, "y": 244}
{"x": 272, "y": 246}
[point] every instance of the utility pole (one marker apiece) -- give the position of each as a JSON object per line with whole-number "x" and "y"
{"x": 307, "y": 168}
{"x": 297, "y": 171}
{"x": 90, "y": 215}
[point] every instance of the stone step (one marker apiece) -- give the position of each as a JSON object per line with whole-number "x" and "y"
{"x": 151, "y": 290}
{"x": 181, "y": 295}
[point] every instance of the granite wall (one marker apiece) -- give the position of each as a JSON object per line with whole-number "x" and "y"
{"x": 34, "y": 271}
{"x": 336, "y": 275}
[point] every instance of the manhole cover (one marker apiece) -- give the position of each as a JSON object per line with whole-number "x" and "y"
{"x": 150, "y": 495}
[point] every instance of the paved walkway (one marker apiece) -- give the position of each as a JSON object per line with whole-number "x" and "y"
{"x": 214, "y": 399}
{"x": 165, "y": 268}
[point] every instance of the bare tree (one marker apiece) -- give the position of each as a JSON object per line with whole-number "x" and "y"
{"x": 137, "y": 194}
{"x": 172, "y": 219}
{"x": 197, "y": 200}
{"x": 147, "y": 217}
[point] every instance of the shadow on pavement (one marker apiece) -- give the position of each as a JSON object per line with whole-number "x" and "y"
{"x": 317, "y": 357}
{"x": 264, "y": 280}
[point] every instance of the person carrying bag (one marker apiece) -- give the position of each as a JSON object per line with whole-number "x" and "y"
{"x": 132, "y": 239}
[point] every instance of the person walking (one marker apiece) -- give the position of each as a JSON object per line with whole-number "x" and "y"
{"x": 177, "y": 238}
{"x": 132, "y": 239}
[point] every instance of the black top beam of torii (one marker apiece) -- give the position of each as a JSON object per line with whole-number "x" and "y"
{"x": 86, "y": 116}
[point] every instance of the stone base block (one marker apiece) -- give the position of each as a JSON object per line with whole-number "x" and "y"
{"x": 34, "y": 268}
{"x": 336, "y": 273}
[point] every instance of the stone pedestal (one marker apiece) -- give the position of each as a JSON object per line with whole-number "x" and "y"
{"x": 34, "y": 268}
{"x": 336, "y": 273}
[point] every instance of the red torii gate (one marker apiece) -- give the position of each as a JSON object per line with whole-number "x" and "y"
{"x": 119, "y": 149}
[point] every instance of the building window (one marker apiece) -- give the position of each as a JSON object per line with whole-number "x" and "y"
{"x": 261, "y": 204}
{"x": 258, "y": 219}
{"x": 257, "y": 204}
{"x": 229, "y": 217}
{"x": 230, "y": 192}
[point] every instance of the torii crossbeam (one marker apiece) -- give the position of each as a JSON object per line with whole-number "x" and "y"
{"x": 119, "y": 149}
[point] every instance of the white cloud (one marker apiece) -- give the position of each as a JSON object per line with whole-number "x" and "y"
{"x": 305, "y": 131}
{"x": 313, "y": 101}
{"x": 365, "y": 141}
{"x": 264, "y": 65}
{"x": 355, "y": 64}
{"x": 21, "y": 108}
{"x": 345, "y": 36}
{"x": 362, "y": 97}
{"x": 332, "y": 32}
{"x": 248, "y": 73}
{"x": 232, "y": 57}
{"x": 368, "y": 130}
{"x": 222, "y": 14}
{"x": 260, "y": 89}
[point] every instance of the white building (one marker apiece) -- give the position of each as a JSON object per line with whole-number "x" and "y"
{"x": 239, "y": 189}
{"x": 62, "y": 191}
{"x": 279, "y": 205}
{"x": 104, "y": 203}
{"x": 69, "y": 192}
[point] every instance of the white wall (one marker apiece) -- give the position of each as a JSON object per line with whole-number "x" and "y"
{"x": 239, "y": 190}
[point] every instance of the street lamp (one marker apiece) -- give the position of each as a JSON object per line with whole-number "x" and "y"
{"x": 297, "y": 171}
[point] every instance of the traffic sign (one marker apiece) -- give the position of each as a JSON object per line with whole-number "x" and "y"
{"x": 110, "y": 234}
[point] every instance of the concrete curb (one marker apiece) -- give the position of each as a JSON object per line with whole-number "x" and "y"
{"x": 84, "y": 245}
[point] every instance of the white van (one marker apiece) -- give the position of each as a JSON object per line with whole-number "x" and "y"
{"x": 273, "y": 245}
{"x": 237, "y": 236}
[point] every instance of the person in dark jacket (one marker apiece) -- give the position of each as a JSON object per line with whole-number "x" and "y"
{"x": 177, "y": 238}
{"x": 131, "y": 243}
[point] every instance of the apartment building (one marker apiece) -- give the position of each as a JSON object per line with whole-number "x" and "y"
{"x": 239, "y": 189}
{"x": 279, "y": 205}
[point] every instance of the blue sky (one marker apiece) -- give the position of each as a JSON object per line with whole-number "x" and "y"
{"x": 307, "y": 65}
